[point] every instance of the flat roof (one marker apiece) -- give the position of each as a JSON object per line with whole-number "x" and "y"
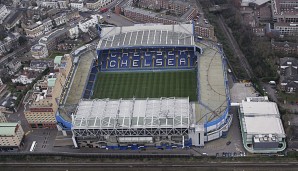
{"x": 57, "y": 59}
{"x": 259, "y": 108}
{"x": 132, "y": 113}
{"x": 8, "y": 129}
{"x": 146, "y": 35}
{"x": 263, "y": 125}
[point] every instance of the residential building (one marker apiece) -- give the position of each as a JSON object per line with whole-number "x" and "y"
{"x": 42, "y": 102}
{"x": 34, "y": 30}
{"x": 13, "y": 66}
{"x": 287, "y": 28}
{"x": 77, "y": 4}
{"x": 174, "y": 11}
{"x": 289, "y": 74}
{"x": 47, "y": 24}
{"x": 52, "y": 39}
{"x": 205, "y": 30}
{"x": 60, "y": 19}
{"x": 2, "y": 117}
{"x": 11, "y": 136}
{"x": 11, "y": 41}
{"x": 284, "y": 10}
{"x": 246, "y": 3}
{"x": 259, "y": 31}
{"x": 285, "y": 47}
{"x": 4, "y": 12}
{"x": 89, "y": 22}
{"x": 74, "y": 32}
{"x": 2, "y": 48}
{"x": 40, "y": 65}
{"x": 39, "y": 51}
{"x": 48, "y": 3}
{"x": 72, "y": 15}
{"x": 13, "y": 19}
{"x": 25, "y": 77}
{"x": 175, "y": 6}
{"x": 96, "y": 4}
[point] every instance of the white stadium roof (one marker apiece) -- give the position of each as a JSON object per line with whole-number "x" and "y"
{"x": 146, "y": 35}
{"x": 145, "y": 113}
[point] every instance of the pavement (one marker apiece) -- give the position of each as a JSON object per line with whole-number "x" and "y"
{"x": 117, "y": 20}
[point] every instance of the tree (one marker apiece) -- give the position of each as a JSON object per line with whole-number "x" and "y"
{"x": 22, "y": 40}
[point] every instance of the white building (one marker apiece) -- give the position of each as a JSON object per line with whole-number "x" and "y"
{"x": 39, "y": 51}
{"x": 90, "y": 22}
{"x": 49, "y": 3}
{"x": 48, "y": 25}
{"x": 4, "y": 12}
{"x": 261, "y": 126}
{"x": 77, "y": 4}
{"x": 24, "y": 78}
{"x": 11, "y": 136}
{"x": 60, "y": 19}
{"x": 74, "y": 32}
{"x": 35, "y": 29}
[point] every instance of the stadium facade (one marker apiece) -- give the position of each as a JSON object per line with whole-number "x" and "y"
{"x": 162, "y": 122}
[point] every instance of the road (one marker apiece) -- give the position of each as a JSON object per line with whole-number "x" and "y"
{"x": 235, "y": 47}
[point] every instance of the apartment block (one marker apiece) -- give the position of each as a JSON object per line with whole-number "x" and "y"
{"x": 41, "y": 103}
{"x": 284, "y": 10}
{"x": 11, "y": 136}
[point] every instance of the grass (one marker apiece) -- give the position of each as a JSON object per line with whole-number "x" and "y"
{"x": 146, "y": 84}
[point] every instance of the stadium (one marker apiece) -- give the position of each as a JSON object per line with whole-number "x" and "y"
{"x": 152, "y": 85}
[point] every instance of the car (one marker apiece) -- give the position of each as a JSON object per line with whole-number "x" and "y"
{"x": 228, "y": 143}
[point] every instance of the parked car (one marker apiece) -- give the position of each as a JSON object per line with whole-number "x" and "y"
{"x": 229, "y": 142}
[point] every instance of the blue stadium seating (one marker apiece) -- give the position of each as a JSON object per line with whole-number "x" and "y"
{"x": 147, "y": 58}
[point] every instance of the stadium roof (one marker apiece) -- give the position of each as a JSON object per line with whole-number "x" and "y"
{"x": 146, "y": 35}
{"x": 124, "y": 114}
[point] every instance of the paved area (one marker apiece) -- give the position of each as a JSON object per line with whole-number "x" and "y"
{"x": 44, "y": 138}
{"x": 220, "y": 145}
{"x": 240, "y": 91}
{"x": 117, "y": 20}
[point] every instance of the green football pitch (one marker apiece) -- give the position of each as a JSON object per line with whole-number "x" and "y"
{"x": 115, "y": 85}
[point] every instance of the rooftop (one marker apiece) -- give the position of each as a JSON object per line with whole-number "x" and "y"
{"x": 263, "y": 125}
{"x": 146, "y": 35}
{"x": 57, "y": 59}
{"x": 132, "y": 113}
{"x": 8, "y": 129}
{"x": 37, "y": 47}
{"x": 260, "y": 108}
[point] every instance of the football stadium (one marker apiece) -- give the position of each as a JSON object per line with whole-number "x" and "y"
{"x": 152, "y": 85}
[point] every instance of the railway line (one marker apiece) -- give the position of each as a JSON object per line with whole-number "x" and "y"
{"x": 264, "y": 165}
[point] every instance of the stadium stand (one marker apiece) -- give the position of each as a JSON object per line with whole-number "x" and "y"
{"x": 136, "y": 123}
